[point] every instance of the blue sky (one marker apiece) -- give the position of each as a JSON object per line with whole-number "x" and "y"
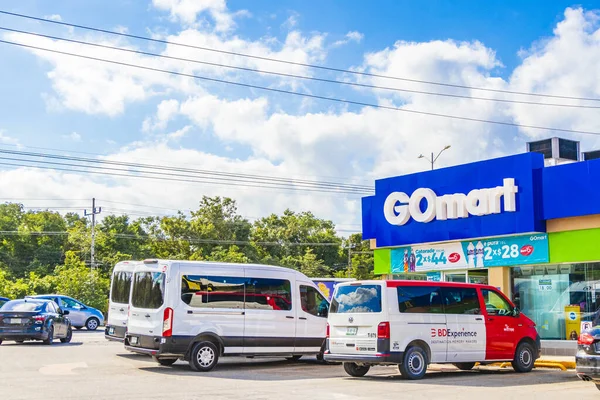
{"x": 510, "y": 45}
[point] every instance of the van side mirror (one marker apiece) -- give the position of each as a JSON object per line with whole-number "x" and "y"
{"x": 516, "y": 312}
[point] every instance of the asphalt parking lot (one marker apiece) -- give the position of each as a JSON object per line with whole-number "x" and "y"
{"x": 92, "y": 368}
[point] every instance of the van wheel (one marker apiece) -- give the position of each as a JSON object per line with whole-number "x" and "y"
{"x": 524, "y": 359}
{"x": 356, "y": 370}
{"x": 465, "y": 366}
{"x": 165, "y": 361}
{"x": 204, "y": 356}
{"x": 414, "y": 364}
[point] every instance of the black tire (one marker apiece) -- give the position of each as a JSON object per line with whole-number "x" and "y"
{"x": 524, "y": 358}
{"x": 167, "y": 362}
{"x": 0, "y": 341}
{"x": 414, "y": 364}
{"x": 293, "y": 358}
{"x": 466, "y": 366}
{"x": 356, "y": 370}
{"x": 204, "y": 356}
{"x": 92, "y": 324}
{"x": 67, "y": 339}
{"x": 50, "y": 338}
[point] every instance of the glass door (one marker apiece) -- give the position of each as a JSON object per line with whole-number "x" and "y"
{"x": 456, "y": 276}
{"x": 478, "y": 276}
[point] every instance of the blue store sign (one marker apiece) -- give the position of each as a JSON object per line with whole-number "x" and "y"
{"x": 484, "y": 253}
{"x": 496, "y": 197}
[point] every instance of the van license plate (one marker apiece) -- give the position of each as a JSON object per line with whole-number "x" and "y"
{"x": 15, "y": 320}
{"x": 352, "y": 330}
{"x": 111, "y": 331}
{"x": 134, "y": 340}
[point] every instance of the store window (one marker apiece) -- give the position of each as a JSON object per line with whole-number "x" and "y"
{"x": 547, "y": 294}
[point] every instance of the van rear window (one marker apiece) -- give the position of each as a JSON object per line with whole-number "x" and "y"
{"x": 148, "y": 290}
{"x": 356, "y": 299}
{"x": 121, "y": 286}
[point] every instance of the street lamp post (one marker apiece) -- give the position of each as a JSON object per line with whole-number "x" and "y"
{"x": 433, "y": 160}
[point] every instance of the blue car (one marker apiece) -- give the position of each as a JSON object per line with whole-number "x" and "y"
{"x": 80, "y": 314}
{"x": 34, "y": 319}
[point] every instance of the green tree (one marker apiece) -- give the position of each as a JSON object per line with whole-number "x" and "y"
{"x": 289, "y": 232}
{"x": 78, "y": 281}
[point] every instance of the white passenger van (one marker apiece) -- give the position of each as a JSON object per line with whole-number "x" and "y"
{"x": 200, "y": 311}
{"x": 118, "y": 300}
{"x": 414, "y": 323}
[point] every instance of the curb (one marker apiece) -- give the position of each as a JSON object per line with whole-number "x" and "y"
{"x": 562, "y": 365}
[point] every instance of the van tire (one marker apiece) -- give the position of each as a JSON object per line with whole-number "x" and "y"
{"x": 356, "y": 370}
{"x": 466, "y": 366}
{"x": 204, "y": 356}
{"x": 524, "y": 358}
{"x": 414, "y": 363}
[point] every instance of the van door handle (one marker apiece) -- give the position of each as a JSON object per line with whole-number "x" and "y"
{"x": 478, "y": 319}
{"x": 289, "y": 317}
{"x": 147, "y": 315}
{"x": 303, "y": 318}
{"x": 490, "y": 319}
{"x": 122, "y": 309}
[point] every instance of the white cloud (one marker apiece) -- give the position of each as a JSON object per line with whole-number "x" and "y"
{"x": 73, "y": 136}
{"x": 5, "y": 139}
{"x": 565, "y": 64}
{"x": 291, "y": 22}
{"x": 165, "y": 111}
{"x": 352, "y": 36}
{"x": 187, "y": 11}
{"x": 53, "y": 17}
{"x": 178, "y": 134}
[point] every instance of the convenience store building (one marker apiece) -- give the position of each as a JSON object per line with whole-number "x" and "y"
{"x": 532, "y": 231}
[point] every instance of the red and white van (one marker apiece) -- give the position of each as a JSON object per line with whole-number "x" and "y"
{"x": 415, "y": 323}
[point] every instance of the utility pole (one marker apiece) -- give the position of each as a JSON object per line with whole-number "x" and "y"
{"x": 93, "y": 214}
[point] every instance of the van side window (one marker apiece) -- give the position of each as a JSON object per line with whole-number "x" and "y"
{"x": 420, "y": 299}
{"x": 495, "y": 304}
{"x": 313, "y": 302}
{"x": 213, "y": 291}
{"x": 461, "y": 301}
{"x": 269, "y": 294}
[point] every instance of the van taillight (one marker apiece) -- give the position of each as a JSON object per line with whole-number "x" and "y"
{"x": 383, "y": 330}
{"x": 585, "y": 339}
{"x": 327, "y": 331}
{"x": 168, "y": 322}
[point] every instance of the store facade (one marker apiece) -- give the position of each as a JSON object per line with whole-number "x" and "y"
{"x": 532, "y": 231}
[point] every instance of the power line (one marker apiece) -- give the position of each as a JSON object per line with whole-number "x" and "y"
{"x": 191, "y": 240}
{"x": 169, "y": 176}
{"x": 320, "y": 67}
{"x": 221, "y": 176}
{"x": 282, "y": 91}
{"x": 150, "y": 159}
{"x": 258, "y": 71}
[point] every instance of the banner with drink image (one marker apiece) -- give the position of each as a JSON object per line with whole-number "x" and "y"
{"x": 484, "y": 253}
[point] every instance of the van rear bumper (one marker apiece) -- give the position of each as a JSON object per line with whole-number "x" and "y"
{"x": 114, "y": 333}
{"x": 382, "y": 358}
{"x": 173, "y": 346}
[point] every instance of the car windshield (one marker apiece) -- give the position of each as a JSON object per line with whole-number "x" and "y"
{"x": 24, "y": 306}
{"x": 357, "y": 299}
